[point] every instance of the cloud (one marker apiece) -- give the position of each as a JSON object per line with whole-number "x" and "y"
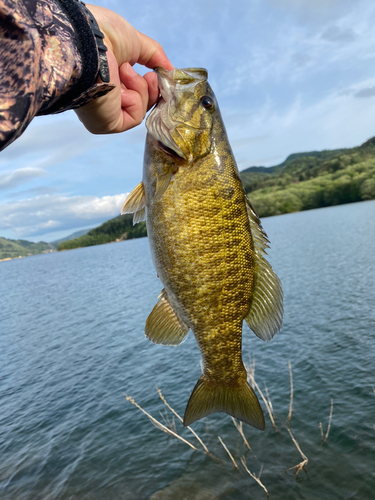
{"x": 10, "y": 180}
{"x": 301, "y": 59}
{"x": 35, "y": 191}
{"x": 339, "y": 119}
{"x": 47, "y": 213}
{"x": 49, "y": 141}
{"x": 309, "y": 5}
{"x": 369, "y": 92}
{"x": 335, "y": 34}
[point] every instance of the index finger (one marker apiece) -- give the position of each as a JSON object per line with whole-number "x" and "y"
{"x": 152, "y": 53}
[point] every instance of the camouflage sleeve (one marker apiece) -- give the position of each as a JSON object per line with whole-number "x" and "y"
{"x": 46, "y": 66}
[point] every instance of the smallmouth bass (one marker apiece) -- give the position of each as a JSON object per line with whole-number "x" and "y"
{"x": 207, "y": 245}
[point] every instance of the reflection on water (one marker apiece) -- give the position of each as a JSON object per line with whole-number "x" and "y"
{"x": 71, "y": 342}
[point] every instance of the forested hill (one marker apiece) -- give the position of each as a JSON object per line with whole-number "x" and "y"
{"x": 303, "y": 181}
{"x": 118, "y": 229}
{"x": 325, "y": 154}
{"x": 12, "y": 249}
{"x": 312, "y": 180}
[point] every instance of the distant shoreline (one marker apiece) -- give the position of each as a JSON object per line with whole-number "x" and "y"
{"x": 13, "y": 258}
{"x": 118, "y": 240}
{"x": 24, "y": 256}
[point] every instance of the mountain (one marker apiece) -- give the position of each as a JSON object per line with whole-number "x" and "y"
{"x": 12, "y": 249}
{"x": 303, "y": 181}
{"x": 313, "y": 180}
{"x": 326, "y": 153}
{"x": 72, "y": 236}
{"x": 117, "y": 229}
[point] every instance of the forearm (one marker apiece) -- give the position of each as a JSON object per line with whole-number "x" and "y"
{"x": 41, "y": 64}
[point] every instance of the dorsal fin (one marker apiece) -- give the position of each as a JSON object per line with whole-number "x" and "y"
{"x": 265, "y": 315}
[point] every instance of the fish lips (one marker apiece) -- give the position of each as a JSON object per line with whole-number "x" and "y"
{"x": 159, "y": 123}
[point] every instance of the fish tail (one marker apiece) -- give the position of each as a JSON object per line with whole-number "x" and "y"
{"x": 239, "y": 402}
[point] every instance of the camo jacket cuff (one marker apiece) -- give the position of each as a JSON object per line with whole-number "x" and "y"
{"x": 40, "y": 62}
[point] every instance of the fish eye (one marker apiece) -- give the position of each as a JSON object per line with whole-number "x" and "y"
{"x": 207, "y": 102}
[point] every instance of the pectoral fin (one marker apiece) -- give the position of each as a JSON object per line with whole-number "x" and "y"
{"x": 265, "y": 315}
{"x": 135, "y": 203}
{"x": 139, "y": 216}
{"x": 163, "y": 326}
{"x": 162, "y": 183}
{"x": 240, "y": 402}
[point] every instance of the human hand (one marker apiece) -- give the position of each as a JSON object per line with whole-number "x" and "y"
{"x": 125, "y": 106}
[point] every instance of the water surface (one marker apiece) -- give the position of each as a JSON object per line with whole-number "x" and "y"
{"x": 72, "y": 341}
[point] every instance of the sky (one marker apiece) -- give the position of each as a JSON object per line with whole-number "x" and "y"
{"x": 289, "y": 75}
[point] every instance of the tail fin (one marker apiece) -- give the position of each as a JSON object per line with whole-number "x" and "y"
{"x": 240, "y": 402}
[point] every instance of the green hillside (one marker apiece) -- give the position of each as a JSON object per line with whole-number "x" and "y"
{"x": 302, "y": 182}
{"x": 12, "y": 249}
{"x": 313, "y": 180}
{"x": 118, "y": 229}
{"x": 76, "y": 234}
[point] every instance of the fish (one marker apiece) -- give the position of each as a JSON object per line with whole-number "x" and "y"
{"x": 207, "y": 244}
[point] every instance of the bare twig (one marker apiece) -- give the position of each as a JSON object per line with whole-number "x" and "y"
{"x": 289, "y": 418}
{"x": 229, "y": 453}
{"x": 324, "y": 439}
{"x": 305, "y": 461}
{"x": 250, "y": 368}
{"x": 270, "y": 412}
{"x": 257, "y": 479}
{"x": 239, "y": 427}
{"x": 158, "y": 424}
{"x": 181, "y": 420}
{"x": 269, "y": 401}
{"x": 171, "y": 424}
{"x": 321, "y": 431}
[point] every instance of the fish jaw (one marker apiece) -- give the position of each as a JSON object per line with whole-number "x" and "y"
{"x": 184, "y": 78}
{"x": 179, "y": 121}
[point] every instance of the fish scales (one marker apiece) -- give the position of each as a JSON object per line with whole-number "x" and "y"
{"x": 201, "y": 227}
{"x": 206, "y": 259}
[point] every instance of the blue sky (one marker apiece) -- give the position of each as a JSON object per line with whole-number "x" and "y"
{"x": 289, "y": 75}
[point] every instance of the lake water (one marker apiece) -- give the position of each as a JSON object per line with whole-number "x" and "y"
{"x": 72, "y": 342}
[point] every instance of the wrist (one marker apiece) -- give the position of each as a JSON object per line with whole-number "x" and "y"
{"x": 94, "y": 75}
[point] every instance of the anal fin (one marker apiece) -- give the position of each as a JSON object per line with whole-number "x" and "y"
{"x": 163, "y": 326}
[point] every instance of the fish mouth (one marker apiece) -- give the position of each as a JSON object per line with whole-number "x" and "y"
{"x": 160, "y": 123}
{"x": 185, "y": 75}
{"x": 185, "y": 78}
{"x": 170, "y": 151}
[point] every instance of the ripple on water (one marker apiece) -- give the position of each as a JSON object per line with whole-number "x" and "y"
{"x": 72, "y": 341}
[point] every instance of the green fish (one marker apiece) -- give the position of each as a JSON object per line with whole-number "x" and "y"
{"x": 207, "y": 244}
